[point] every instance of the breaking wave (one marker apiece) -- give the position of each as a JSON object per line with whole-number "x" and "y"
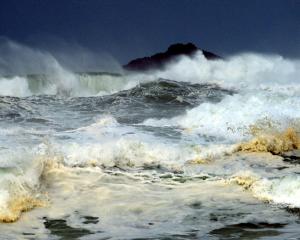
{"x": 283, "y": 191}
{"x": 25, "y": 72}
{"x": 64, "y": 83}
{"x": 20, "y": 174}
{"x": 234, "y": 115}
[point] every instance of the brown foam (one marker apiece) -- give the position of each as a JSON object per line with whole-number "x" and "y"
{"x": 198, "y": 160}
{"x": 18, "y": 205}
{"x": 246, "y": 181}
{"x": 23, "y": 199}
{"x": 276, "y": 143}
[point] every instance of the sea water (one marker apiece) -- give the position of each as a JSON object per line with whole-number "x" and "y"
{"x": 191, "y": 151}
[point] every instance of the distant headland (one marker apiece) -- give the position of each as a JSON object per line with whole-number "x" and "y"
{"x": 158, "y": 60}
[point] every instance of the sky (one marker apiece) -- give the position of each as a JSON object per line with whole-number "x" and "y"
{"x": 126, "y": 29}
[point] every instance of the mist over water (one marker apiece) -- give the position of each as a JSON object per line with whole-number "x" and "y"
{"x": 188, "y": 151}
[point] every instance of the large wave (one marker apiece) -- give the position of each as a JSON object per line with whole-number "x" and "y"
{"x": 26, "y": 71}
{"x": 63, "y": 83}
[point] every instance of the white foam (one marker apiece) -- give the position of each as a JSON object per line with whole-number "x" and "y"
{"x": 65, "y": 83}
{"x": 20, "y": 173}
{"x": 231, "y": 117}
{"x": 108, "y": 143}
{"x": 283, "y": 191}
{"x": 17, "y": 86}
{"x": 249, "y": 70}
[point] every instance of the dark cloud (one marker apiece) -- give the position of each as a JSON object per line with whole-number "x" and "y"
{"x": 127, "y": 29}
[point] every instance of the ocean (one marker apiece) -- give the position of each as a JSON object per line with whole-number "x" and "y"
{"x": 197, "y": 150}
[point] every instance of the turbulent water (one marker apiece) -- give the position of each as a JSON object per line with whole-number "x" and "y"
{"x": 193, "y": 151}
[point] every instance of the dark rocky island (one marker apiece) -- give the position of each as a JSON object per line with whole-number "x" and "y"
{"x": 160, "y": 59}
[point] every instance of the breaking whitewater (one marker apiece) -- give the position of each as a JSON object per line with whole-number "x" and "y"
{"x": 201, "y": 149}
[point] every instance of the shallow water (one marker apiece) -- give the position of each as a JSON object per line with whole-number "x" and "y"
{"x": 140, "y": 156}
